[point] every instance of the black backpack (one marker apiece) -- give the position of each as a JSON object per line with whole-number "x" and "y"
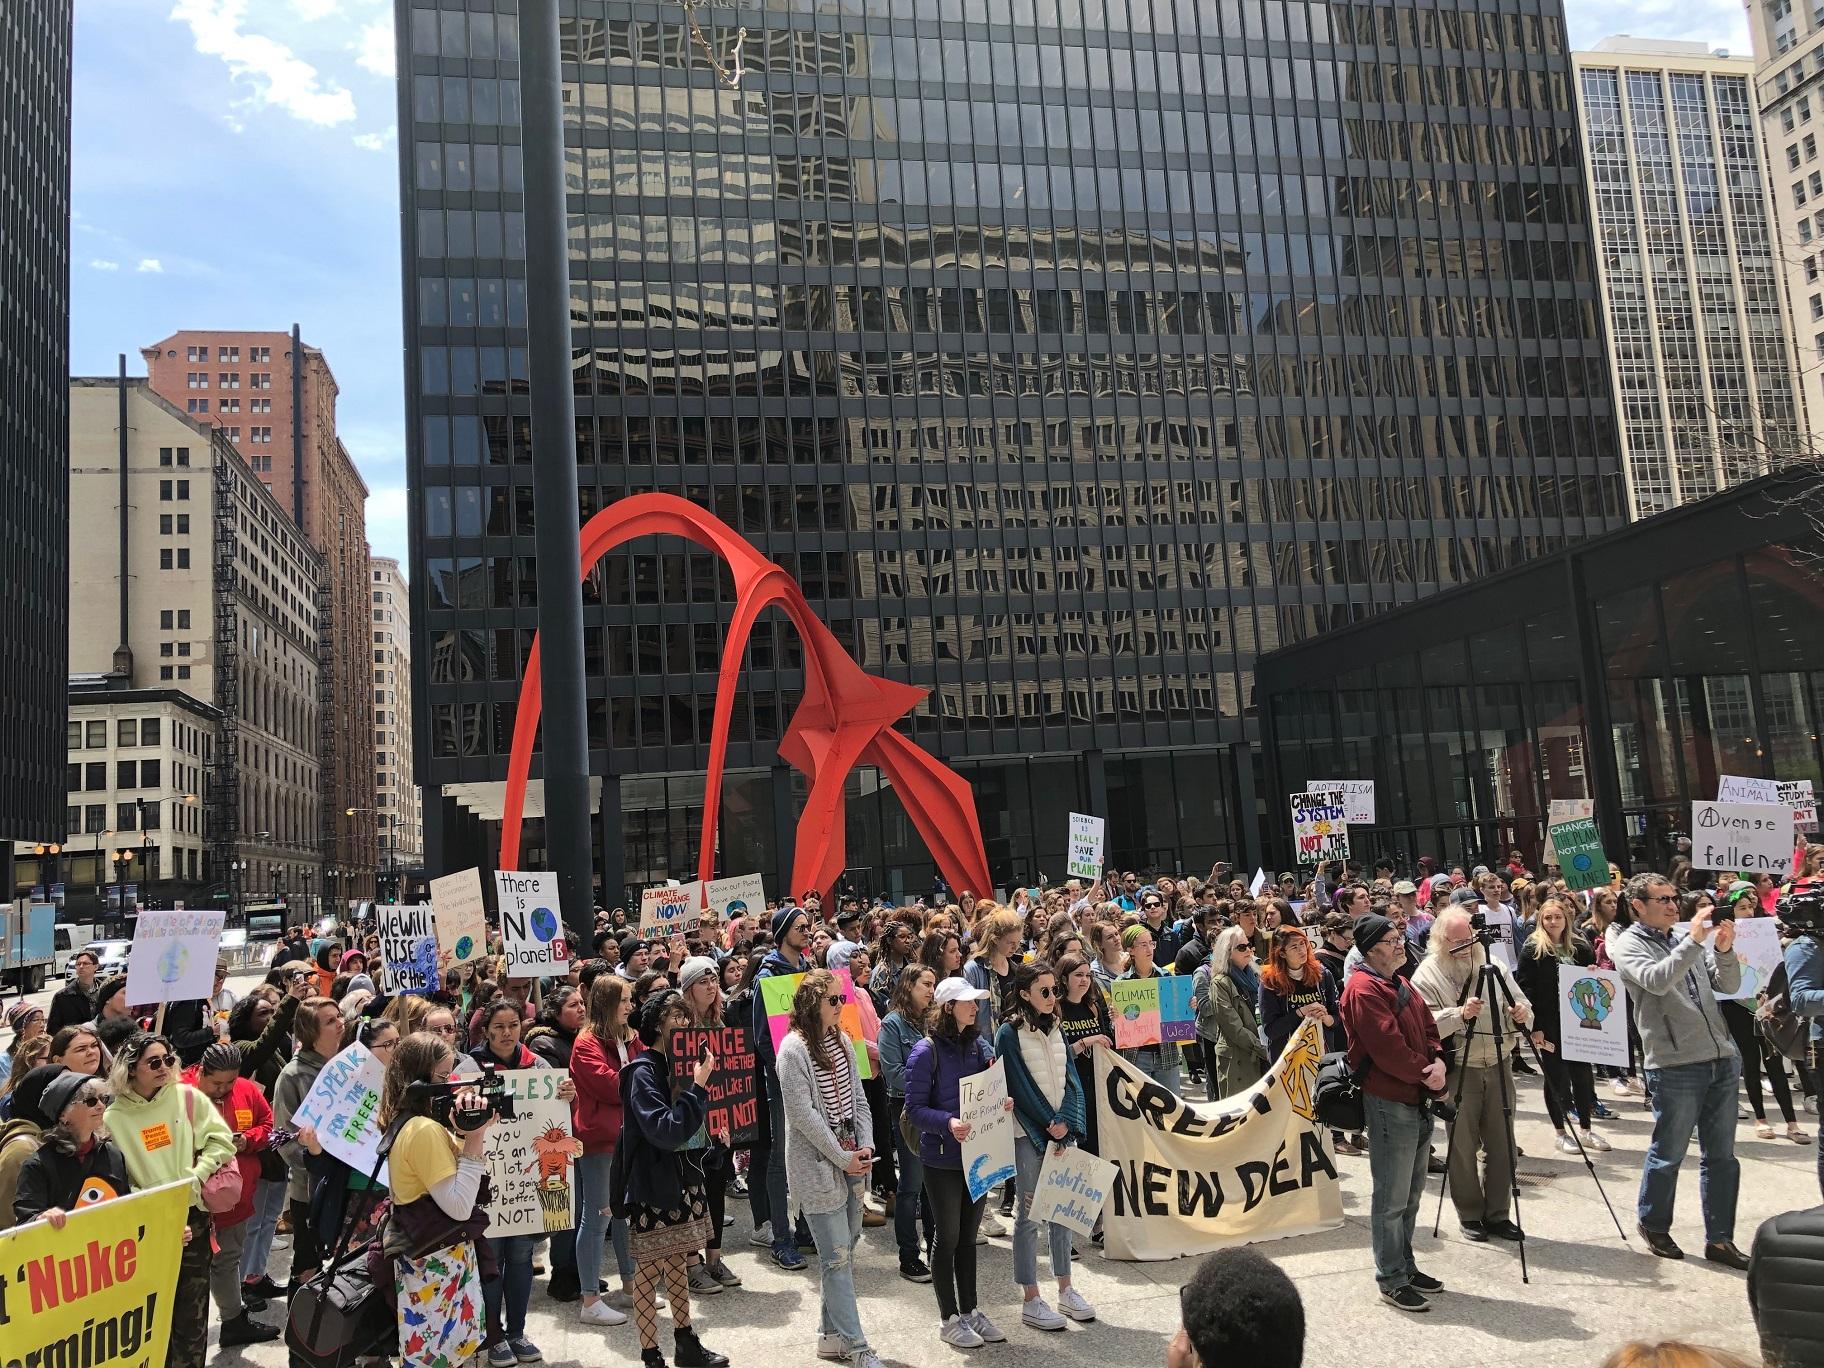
{"x": 1337, "y": 1095}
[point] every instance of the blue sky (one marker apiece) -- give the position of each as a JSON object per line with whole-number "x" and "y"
{"x": 236, "y": 166}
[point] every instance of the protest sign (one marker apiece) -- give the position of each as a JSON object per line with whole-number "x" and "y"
{"x": 1191, "y": 1177}
{"x": 743, "y": 895}
{"x": 344, "y": 1107}
{"x": 408, "y": 949}
{"x": 1501, "y": 922}
{"x": 531, "y": 926}
{"x": 1177, "y": 1022}
{"x": 1592, "y": 1016}
{"x": 1581, "y": 861}
{"x": 1736, "y": 788}
{"x": 1085, "y": 858}
{"x": 1754, "y": 838}
{"x": 1797, "y": 795}
{"x": 734, "y": 1104}
{"x": 530, "y": 1157}
{"x": 1560, "y": 810}
{"x": 776, "y": 993}
{"x": 1320, "y": 827}
{"x": 172, "y": 958}
{"x": 988, "y": 1149}
{"x": 460, "y": 917}
{"x": 1358, "y": 797}
{"x": 1757, "y": 942}
{"x": 669, "y": 911}
{"x": 1259, "y": 882}
{"x": 1134, "y": 1005}
{"x": 98, "y": 1292}
{"x": 1072, "y": 1189}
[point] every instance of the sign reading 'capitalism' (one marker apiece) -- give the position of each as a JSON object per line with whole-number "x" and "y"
{"x": 1195, "y": 1176}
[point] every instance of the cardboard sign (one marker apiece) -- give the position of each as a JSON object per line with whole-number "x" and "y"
{"x": 1320, "y": 826}
{"x": 531, "y": 1158}
{"x": 1358, "y": 797}
{"x": 460, "y": 917}
{"x": 172, "y": 958}
{"x": 666, "y": 911}
{"x": 344, "y": 1106}
{"x": 776, "y": 994}
{"x": 531, "y": 925}
{"x": 744, "y": 895}
{"x": 1592, "y": 1016}
{"x": 1753, "y": 838}
{"x": 1073, "y": 1186}
{"x": 1581, "y": 861}
{"x": 1084, "y": 860}
{"x": 734, "y": 1100}
{"x": 988, "y": 1150}
{"x": 408, "y": 949}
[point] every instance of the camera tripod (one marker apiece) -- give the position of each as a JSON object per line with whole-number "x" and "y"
{"x": 1490, "y": 986}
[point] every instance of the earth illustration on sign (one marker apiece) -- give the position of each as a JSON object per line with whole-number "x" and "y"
{"x": 737, "y": 907}
{"x": 1131, "y": 1012}
{"x": 173, "y": 961}
{"x": 1592, "y": 999}
{"x": 465, "y": 946}
{"x": 1583, "y": 862}
{"x": 544, "y": 923}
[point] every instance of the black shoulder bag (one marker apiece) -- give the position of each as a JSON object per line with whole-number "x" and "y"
{"x": 340, "y": 1315}
{"x": 1337, "y": 1095}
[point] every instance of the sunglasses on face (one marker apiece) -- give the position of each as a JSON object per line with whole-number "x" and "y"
{"x": 92, "y": 1100}
{"x": 834, "y": 1000}
{"x": 1046, "y": 993}
{"x": 157, "y": 1061}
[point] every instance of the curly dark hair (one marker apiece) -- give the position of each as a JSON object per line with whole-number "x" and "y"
{"x": 1240, "y": 1307}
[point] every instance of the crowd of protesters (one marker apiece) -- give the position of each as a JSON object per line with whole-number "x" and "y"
{"x": 1398, "y": 972}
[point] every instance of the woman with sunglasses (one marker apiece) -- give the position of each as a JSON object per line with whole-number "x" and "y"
{"x": 75, "y": 1164}
{"x": 168, "y": 1131}
{"x": 829, "y": 1148}
{"x": 1050, "y": 1105}
{"x": 1225, "y": 996}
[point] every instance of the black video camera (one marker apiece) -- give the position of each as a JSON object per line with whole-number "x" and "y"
{"x": 1802, "y": 908}
{"x": 439, "y": 1101}
{"x": 1478, "y": 923}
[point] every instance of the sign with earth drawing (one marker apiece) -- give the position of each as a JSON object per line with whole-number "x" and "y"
{"x": 173, "y": 956}
{"x": 531, "y": 925}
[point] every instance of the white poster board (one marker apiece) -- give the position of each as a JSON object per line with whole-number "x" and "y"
{"x": 1592, "y": 1016}
{"x": 743, "y": 895}
{"x": 531, "y": 923}
{"x": 1563, "y": 810}
{"x": 988, "y": 1151}
{"x": 1754, "y": 838}
{"x": 1086, "y": 836}
{"x": 460, "y": 917}
{"x": 408, "y": 949}
{"x": 344, "y": 1106}
{"x": 531, "y": 1159}
{"x": 172, "y": 958}
{"x": 1073, "y": 1187}
{"x": 1358, "y": 797}
{"x": 1320, "y": 827}
{"x": 1797, "y": 795}
{"x": 669, "y": 910}
{"x": 1757, "y": 942}
{"x": 1736, "y": 788}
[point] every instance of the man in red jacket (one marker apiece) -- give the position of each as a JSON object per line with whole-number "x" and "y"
{"x": 1394, "y": 1047}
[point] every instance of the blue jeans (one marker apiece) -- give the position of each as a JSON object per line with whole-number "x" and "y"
{"x": 1157, "y": 1062}
{"x": 837, "y": 1233}
{"x": 911, "y": 1198}
{"x": 1687, "y": 1098}
{"x": 506, "y": 1296}
{"x": 593, "y": 1224}
{"x": 1399, "y": 1139}
{"x": 268, "y": 1202}
{"x": 1027, "y": 1160}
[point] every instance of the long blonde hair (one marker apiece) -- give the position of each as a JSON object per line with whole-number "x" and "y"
{"x": 1672, "y": 1354}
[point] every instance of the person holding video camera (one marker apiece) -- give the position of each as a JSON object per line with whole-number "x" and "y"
{"x": 1395, "y": 1052}
{"x": 1693, "y": 1072}
{"x": 659, "y": 1195}
{"x": 1449, "y": 981}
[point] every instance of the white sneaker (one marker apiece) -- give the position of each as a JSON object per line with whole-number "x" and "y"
{"x": 600, "y": 1313}
{"x": 1566, "y": 1145}
{"x": 959, "y": 1334}
{"x": 619, "y": 1300}
{"x": 1620, "y": 1088}
{"x": 866, "y": 1358}
{"x": 991, "y": 1226}
{"x": 1811, "y": 1104}
{"x": 1592, "y": 1140}
{"x": 1072, "y": 1304}
{"x": 832, "y": 1347}
{"x": 1039, "y": 1315}
{"x": 984, "y": 1327}
{"x": 762, "y": 1238}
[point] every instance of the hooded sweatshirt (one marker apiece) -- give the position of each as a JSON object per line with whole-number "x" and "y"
{"x": 246, "y": 1113}
{"x": 288, "y": 1094}
{"x": 176, "y": 1133}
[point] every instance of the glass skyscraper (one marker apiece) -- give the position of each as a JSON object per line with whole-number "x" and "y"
{"x": 1069, "y": 354}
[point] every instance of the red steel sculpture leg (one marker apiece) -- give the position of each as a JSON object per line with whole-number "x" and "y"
{"x": 845, "y": 718}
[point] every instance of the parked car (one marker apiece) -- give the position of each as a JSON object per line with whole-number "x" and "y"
{"x": 111, "y": 956}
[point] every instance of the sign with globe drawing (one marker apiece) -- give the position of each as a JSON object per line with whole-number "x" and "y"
{"x": 532, "y": 932}
{"x": 173, "y": 956}
{"x": 1592, "y": 1015}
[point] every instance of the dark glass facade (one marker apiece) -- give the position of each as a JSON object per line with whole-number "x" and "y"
{"x": 1069, "y": 354}
{"x": 1632, "y": 670}
{"x": 34, "y": 414}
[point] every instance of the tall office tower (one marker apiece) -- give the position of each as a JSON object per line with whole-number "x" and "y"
{"x": 1690, "y": 271}
{"x": 282, "y": 419}
{"x": 397, "y": 818}
{"x": 34, "y": 415}
{"x": 1068, "y": 355}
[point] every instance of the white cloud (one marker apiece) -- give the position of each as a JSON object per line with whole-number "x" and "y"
{"x": 150, "y": 266}
{"x": 374, "y": 50}
{"x": 278, "y": 76}
{"x": 100, "y": 265}
{"x": 375, "y": 142}
{"x": 315, "y": 9}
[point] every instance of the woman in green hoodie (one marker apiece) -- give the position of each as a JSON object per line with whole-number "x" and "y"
{"x": 168, "y": 1131}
